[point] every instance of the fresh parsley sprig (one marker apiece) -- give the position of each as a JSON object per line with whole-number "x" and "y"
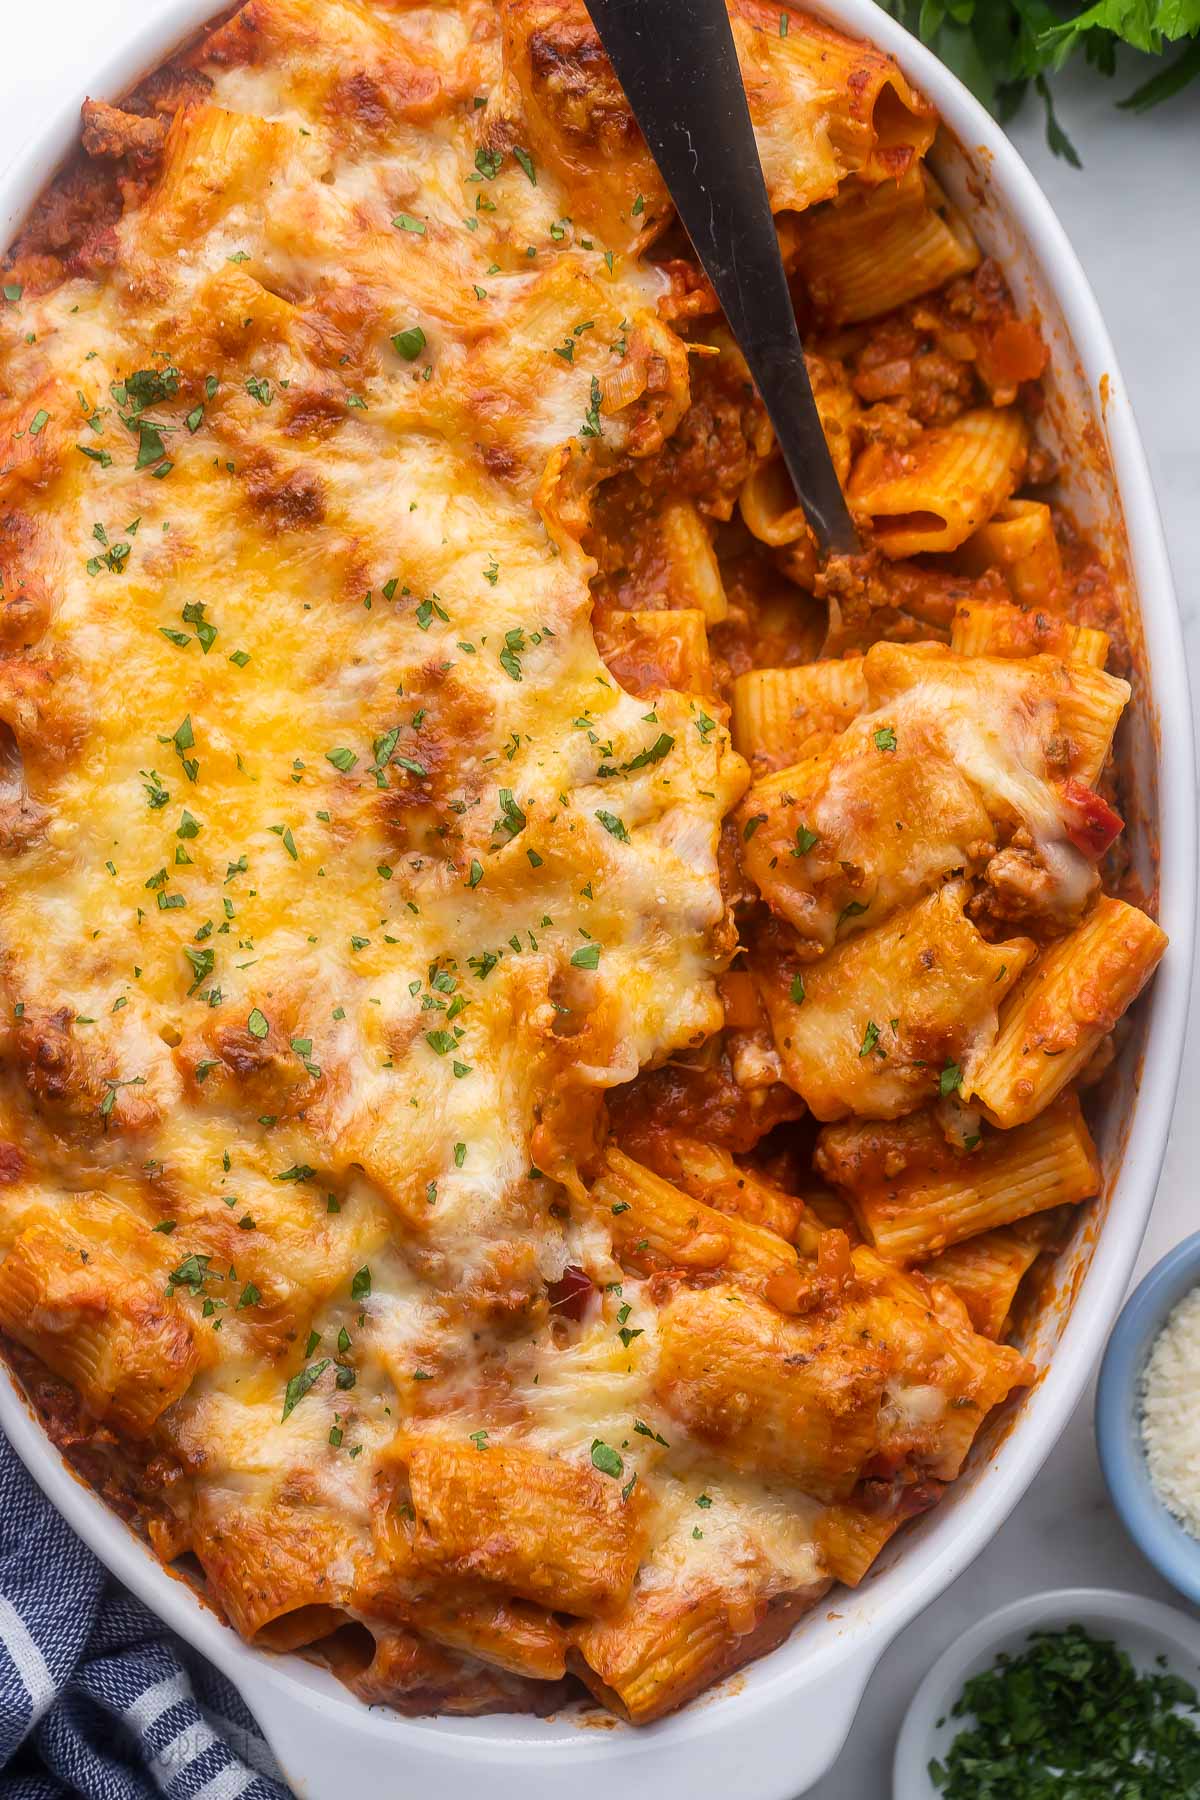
{"x": 1000, "y": 48}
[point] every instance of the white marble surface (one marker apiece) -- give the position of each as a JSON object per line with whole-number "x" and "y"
{"x": 1134, "y": 217}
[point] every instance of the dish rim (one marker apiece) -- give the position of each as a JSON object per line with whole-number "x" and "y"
{"x": 1106, "y": 1608}
{"x": 788, "y": 1723}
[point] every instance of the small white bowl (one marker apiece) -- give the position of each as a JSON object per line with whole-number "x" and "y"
{"x": 1146, "y": 1629}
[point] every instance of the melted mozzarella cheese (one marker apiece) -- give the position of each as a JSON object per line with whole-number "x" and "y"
{"x": 322, "y": 903}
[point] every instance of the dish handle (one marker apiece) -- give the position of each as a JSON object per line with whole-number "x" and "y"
{"x": 776, "y": 1749}
{"x": 798, "y": 1738}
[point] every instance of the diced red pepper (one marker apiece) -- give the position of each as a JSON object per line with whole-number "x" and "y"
{"x": 1088, "y": 820}
{"x": 570, "y": 1294}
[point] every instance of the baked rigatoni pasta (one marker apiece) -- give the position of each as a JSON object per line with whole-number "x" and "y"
{"x": 933, "y": 494}
{"x": 879, "y": 247}
{"x": 1076, "y": 992}
{"x": 872, "y": 1026}
{"x": 1002, "y": 628}
{"x": 914, "y": 1193}
{"x": 985, "y": 1272}
{"x": 780, "y": 714}
{"x": 540, "y": 1047}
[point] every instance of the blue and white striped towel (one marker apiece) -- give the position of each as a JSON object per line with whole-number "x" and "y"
{"x": 97, "y": 1698}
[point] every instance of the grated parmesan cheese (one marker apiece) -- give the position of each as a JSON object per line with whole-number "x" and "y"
{"x": 1170, "y": 1412}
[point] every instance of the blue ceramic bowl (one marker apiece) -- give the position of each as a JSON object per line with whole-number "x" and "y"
{"x": 1158, "y": 1535}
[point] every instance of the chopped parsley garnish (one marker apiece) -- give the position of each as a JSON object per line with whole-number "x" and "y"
{"x": 426, "y": 611}
{"x": 112, "y": 1083}
{"x": 614, "y": 826}
{"x": 646, "y": 1431}
{"x": 151, "y": 448}
{"x": 360, "y": 1285}
{"x": 257, "y": 1024}
{"x": 202, "y": 964}
{"x": 405, "y": 222}
{"x": 409, "y": 343}
{"x": 796, "y": 991}
{"x": 184, "y": 739}
{"x": 871, "y": 1040}
{"x": 950, "y": 1079}
{"x": 299, "y": 1385}
{"x": 586, "y": 957}
{"x": 526, "y": 162}
{"x": 591, "y": 427}
{"x": 884, "y": 738}
{"x": 605, "y": 1458}
{"x": 191, "y": 1274}
{"x": 514, "y": 643}
{"x": 805, "y": 839}
{"x": 1071, "y": 1715}
{"x": 156, "y": 793}
{"x": 661, "y": 747}
{"x": 206, "y": 631}
{"x": 146, "y": 387}
{"x": 511, "y": 821}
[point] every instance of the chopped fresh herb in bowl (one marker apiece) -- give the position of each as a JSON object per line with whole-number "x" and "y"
{"x": 1071, "y": 1718}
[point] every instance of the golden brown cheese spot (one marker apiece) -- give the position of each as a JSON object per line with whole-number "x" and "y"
{"x": 25, "y": 607}
{"x": 291, "y": 500}
{"x": 580, "y": 121}
{"x": 68, "y": 1082}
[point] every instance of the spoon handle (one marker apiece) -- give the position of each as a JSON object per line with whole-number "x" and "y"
{"x": 678, "y": 66}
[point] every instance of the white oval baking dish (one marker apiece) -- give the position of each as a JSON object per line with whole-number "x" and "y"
{"x": 776, "y": 1728}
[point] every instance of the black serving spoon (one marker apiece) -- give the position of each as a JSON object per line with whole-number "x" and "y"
{"x": 676, "y": 61}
